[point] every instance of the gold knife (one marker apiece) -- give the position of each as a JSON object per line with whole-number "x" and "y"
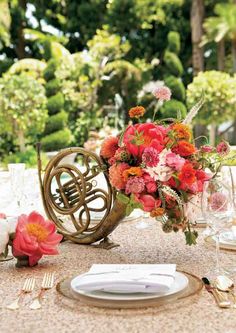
{"x": 221, "y": 298}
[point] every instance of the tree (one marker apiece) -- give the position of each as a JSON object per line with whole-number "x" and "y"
{"x": 5, "y": 23}
{"x": 197, "y": 14}
{"x": 22, "y": 107}
{"x": 220, "y": 98}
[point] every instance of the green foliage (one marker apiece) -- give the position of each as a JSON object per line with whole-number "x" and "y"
{"x": 173, "y": 38}
{"x": 29, "y": 157}
{"x": 171, "y": 108}
{"x": 56, "y": 122}
{"x": 5, "y": 23}
{"x": 176, "y": 86}
{"x": 173, "y": 63}
{"x": 55, "y": 103}
{"x": 52, "y": 87}
{"x": 219, "y": 96}
{"x": 49, "y": 72}
{"x": 22, "y": 104}
{"x": 57, "y": 140}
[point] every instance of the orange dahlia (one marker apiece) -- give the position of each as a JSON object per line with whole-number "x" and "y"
{"x": 184, "y": 148}
{"x": 109, "y": 147}
{"x": 137, "y": 112}
{"x": 116, "y": 175}
{"x": 157, "y": 212}
{"x": 133, "y": 171}
{"x": 182, "y": 131}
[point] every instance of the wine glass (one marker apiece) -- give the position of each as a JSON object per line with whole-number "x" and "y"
{"x": 17, "y": 171}
{"x": 217, "y": 209}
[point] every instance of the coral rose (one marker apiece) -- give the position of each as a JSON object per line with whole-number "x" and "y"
{"x": 148, "y": 202}
{"x": 141, "y": 136}
{"x": 116, "y": 175}
{"x": 35, "y": 237}
{"x": 184, "y": 148}
{"x": 109, "y": 147}
{"x": 187, "y": 174}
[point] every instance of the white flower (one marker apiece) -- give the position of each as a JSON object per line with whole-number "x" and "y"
{"x": 12, "y": 222}
{"x": 4, "y": 235}
{"x": 161, "y": 171}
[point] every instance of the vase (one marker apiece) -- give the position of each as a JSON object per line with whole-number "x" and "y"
{"x": 23, "y": 261}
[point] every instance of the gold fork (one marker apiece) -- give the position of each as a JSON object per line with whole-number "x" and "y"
{"x": 28, "y": 287}
{"x": 47, "y": 283}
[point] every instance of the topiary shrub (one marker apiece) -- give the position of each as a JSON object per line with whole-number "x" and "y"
{"x": 173, "y": 63}
{"x": 176, "y": 86}
{"x": 57, "y": 140}
{"x": 49, "y": 72}
{"x": 52, "y": 87}
{"x": 56, "y": 122}
{"x": 173, "y": 38}
{"x": 170, "y": 109}
{"x": 55, "y": 103}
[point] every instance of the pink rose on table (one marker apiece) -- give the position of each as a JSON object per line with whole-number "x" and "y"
{"x": 35, "y": 237}
{"x": 141, "y": 136}
{"x": 148, "y": 202}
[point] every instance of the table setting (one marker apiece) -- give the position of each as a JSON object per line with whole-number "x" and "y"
{"x": 171, "y": 265}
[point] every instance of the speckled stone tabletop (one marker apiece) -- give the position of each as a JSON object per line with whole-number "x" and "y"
{"x": 151, "y": 245}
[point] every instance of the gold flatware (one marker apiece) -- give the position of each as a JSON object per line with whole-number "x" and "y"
{"x": 28, "y": 287}
{"x": 47, "y": 283}
{"x": 220, "y": 297}
{"x": 224, "y": 283}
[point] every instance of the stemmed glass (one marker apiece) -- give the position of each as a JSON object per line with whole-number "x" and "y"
{"x": 217, "y": 209}
{"x": 17, "y": 171}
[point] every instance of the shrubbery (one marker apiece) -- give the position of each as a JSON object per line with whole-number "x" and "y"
{"x": 57, "y": 140}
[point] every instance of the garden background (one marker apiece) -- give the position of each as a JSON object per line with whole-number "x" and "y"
{"x": 71, "y": 69}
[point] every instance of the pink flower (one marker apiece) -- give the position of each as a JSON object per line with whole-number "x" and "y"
{"x": 3, "y": 216}
{"x": 150, "y": 183}
{"x": 148, "y": 202}
{"x": 135, "y": 185}
{"x": 162, "y": 93}
{"x": 35, "y": 237}
{"x": 150, "y": 157}
{"x": 223, "y": 148}
{"x": 207, "y": 149}
{"x": 174, "y": 161}
{"x": 116, "y": 175}
{"x": 218, "y": 202}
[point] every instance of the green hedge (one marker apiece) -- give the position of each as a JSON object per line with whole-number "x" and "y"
{"x": 49, "y": 72}
{"x": 55, "y": 103}
{"x": 173, "y": 38}
{"x": 176, "y": 86}
{"x": 52, "y": 87}
{"x": 170, "y": 109}
{"x": 56, "y": 122}
{"x": 57, "y": 140}
{"x": 173, "y": 63}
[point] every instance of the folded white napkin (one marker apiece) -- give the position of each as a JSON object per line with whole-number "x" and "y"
{"x": 126, "y": 278}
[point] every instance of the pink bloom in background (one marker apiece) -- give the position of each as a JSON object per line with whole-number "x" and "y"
{"x": 150, "y": 157}
{"x": 35, "y": 237}
{"x": 223, "y": 148}
{"x": 162, "y": 93}
{"x": 174, "y": 161}
{"x": 3, "y": 216}
{"x": 207, "y": 149}
{"x": 135, "y": 185}
{"x": 116, "y": 175}
{"x": 218, "y": 202}
{"x": 148, "y": 202}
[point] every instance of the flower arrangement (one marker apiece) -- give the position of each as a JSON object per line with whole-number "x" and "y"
{"x": 156, "y": 166}
{"x": 30, "y": 236}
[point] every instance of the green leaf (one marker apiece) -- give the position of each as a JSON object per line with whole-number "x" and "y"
{"x": 191, "y": 237}
{"x": 129, "y": 209}
{"x": 123, "y": 198}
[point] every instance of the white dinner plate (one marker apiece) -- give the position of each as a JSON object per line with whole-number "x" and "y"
{"x": 228, "y": 237}
{"x": 180, "y": 283}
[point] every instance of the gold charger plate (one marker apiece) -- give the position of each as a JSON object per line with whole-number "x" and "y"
{"x": 228, "y": 247}
{"x": 194, "y": 287}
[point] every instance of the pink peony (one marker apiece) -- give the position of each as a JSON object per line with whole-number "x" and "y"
{"x": 135, "y": 185}
{"x": 218, "y": 202}
{"x": 207, "y": 149}
{"x": 141, "y": 136}
{"x": 174, "y": 161}
{"x": 148, "y": 202}
{"x": 162, "y": 93}
{"x": 35, "y": 237}
{"x": 223, "y": 148}
{"x": 150, "y": 183}
{"x": 150, "y": 157}
{"x": 116, "y": 175}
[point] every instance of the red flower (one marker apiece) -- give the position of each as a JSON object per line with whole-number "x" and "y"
{"x": 116, "y": 175}
{"x": 187, "y": 174}
{"x": 140, "y": 136}
{"x": 148, "y": 202}
{"x": 109, "y": 147}
{"x": 35, "y": 237}
{"x": 184, "y": 148}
